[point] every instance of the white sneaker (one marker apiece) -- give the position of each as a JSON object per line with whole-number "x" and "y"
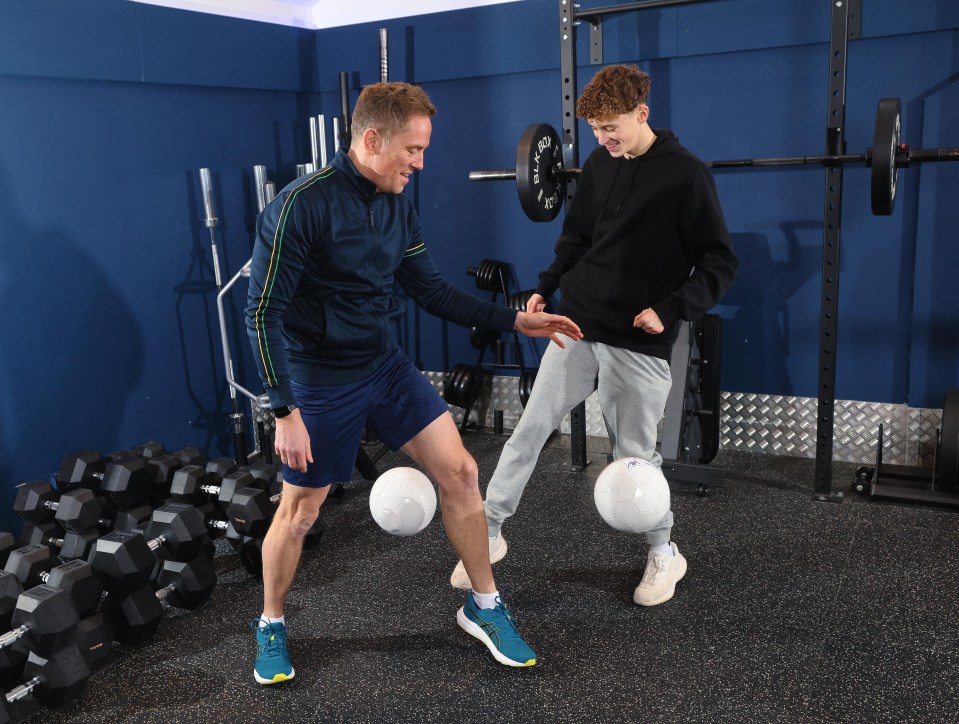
{"x": 497, "y": 549}
{"x": 659, "y": 580}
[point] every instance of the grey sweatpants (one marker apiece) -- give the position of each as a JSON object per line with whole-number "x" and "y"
{"x": 632, "y": 393}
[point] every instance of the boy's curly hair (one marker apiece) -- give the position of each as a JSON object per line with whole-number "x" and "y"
{"x": 613, "y": 91}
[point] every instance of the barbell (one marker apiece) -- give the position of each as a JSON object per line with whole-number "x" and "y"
{"x": 541, "y": 178}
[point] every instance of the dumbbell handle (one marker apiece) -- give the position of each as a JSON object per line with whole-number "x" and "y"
{"x": 11, "y": 637}
{"x": 211, "y": 489}
{"x": 156, "y": 542}
{"x": 22, "y": 691}
{"x": 162, "y": 593}
{"x": 217, "y": 524}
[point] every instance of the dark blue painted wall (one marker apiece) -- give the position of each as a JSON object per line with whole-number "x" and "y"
{"x": 106, "y": 281}
{"x": 108, "y": 108}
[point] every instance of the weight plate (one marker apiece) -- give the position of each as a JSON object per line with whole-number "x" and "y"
{"x": 450, "y": 382}
{"x": 947, "y": 457}
{"x": 519, "y": 300}
{"x": 526, "y": 381}
{"x": 885, "y": 142}
{"x": 462, "y": 385}
{"x": 489, "y": 275}
{"x": 539, "y": 159}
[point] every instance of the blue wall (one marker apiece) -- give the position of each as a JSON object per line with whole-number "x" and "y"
{"x": 109, "y": 108}
{"x": 734, "y": 79}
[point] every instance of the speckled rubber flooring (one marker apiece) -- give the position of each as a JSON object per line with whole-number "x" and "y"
{"x": 792, "y": 611}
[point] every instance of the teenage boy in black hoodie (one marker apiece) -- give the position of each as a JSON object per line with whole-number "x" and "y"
{"x": 644, "y": 246}
{"x": 329, "y": 250}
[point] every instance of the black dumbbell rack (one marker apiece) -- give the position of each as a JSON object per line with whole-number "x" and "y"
{"x": 464, "y": 384}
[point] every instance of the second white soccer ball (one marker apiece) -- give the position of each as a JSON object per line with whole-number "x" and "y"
{"x": 402, "y": 501}
{"x": 632, "y": 495}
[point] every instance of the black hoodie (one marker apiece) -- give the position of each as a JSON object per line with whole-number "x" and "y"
{"x": 641, "y": 232}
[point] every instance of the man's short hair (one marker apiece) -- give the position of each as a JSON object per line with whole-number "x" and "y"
{"x": 388, "y": 107}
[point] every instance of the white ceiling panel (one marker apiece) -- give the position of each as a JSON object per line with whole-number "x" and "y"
{"x": 320, "y": 13}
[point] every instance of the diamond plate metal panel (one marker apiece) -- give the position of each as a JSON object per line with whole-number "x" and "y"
{"x": 857, "y": 431}
{"x": 595, "y": 425}
{"x": 787, "y": 426}
{"x": 770, "y": 424}
{"x": 923, "y": 425}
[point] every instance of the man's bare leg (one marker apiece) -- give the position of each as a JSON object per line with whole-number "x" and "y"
{"x": 439, "y": 449}
{"x": 298, "y": 510}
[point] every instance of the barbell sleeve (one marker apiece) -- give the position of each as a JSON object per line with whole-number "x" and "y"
{"x": 506, "y": 174}
{"x": 321, "y": 133}
{"x": 933, "y": 154}
{"x": 314, "y": 143}
{"x": 259, "y": 182}
{"x": 206, "y": 188}
{"x": 509, "y": 174}
{"x": 384, "y": 55}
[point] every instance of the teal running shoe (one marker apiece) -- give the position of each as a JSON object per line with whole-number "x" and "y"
{"x": 496, "y": 628}
{"x": 272, "y": 659}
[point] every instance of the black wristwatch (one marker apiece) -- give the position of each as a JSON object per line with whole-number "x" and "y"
{"x": 283, "y": 411}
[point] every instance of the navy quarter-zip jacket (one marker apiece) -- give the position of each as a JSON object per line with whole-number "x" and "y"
{"x": 328, "y": 251}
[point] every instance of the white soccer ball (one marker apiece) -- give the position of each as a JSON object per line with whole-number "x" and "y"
{"x": 402, "y": 501}
{"x": 632, "y": 495}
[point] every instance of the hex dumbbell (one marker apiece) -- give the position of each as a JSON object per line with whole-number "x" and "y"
{"x": 136, "y": 615}
{"x": 33, "y": 565}
{"x": 54, "y": 680}
{"x": 196, "y": 485}
{"x": 76, "y": 510}
{"x": 67, "y": 544}
{"x": 124, "y": 562}
{"x": 125, "y": 482}
{"x": 45, "y": 617}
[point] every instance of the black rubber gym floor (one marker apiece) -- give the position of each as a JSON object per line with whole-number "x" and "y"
{"x": 792, "y": 611}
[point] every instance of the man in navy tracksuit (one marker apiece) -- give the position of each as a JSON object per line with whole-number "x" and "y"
{"x": 327, "y": 253}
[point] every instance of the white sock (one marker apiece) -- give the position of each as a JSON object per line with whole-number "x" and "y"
{"x": 662, "y": 549}
{"x": 485, "y": 600}
{"x": 266, "y": 620}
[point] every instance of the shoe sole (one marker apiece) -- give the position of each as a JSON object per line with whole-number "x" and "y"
{"x": 478, "y": 633}
{"x": 669, "y": 594}
{"x": 277, "y": 679}
{"x": 495, "y": 556}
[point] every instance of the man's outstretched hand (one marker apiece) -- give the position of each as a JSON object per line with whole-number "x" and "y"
{"x": 541, "y": 324}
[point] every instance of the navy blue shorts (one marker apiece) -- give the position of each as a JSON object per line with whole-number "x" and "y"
{"x": 397, "y": 402}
